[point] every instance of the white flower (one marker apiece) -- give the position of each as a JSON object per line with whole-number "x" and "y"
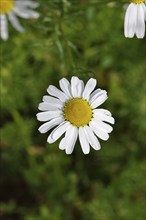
{"x": 73, "y": 111}
{"x": 135, "y": 19}
{"x": 9, "y": 9}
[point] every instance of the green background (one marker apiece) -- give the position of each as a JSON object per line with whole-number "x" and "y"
{"x": 39, "y": 181}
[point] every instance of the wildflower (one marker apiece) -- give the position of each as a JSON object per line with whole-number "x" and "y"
{"x": 74, "y": 111}
{"x": 9, "y": 9}
{"x": 135, "y": 19}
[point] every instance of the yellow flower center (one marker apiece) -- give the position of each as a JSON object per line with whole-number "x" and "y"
{"x": 78, "y": 112}
{"x": 6, "y": 6}
{"x": 137, "y": 1}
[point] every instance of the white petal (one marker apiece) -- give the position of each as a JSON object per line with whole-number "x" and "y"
{"x": 48, "y": 115}
{"x": 98, "y": 131}
{"x": 52, "y": 90}
{"x": 95, "y": 92}
{"x": 45, "y": 106}
{"x": 62, "y": 144}
{"x": 92, "y": 139}
{"x": 140, "y": 26}
{"x": 50, "y": 103}
{"x": 103, "y": 115}
{"x": 65, "y": 86}
{"x": 77, "y": 87}
{"x": 32, "y": 14}
{"x": 144, "y": 9}
{"x": 102, "y": 125}
{"x": 68, "y": 142}
{"x": 26, "y": 3}
{"x": 21, "y": 13}
{"x": 89, "y": 87}
{"x": 53, "y": 101}
{"x": 130, "y": 20}
{"x": 98, "y": 99}
{"x": 58, "y": 132}
{"x": 3, "y": 27}
{"x": 15, "y": 23}
{"x": 102, "y": 111}
{"x": 72, "y": 140}
{"x": 49, "y": 125}
{"x": 25, "y": 13}
{"x": 83, "y": 141}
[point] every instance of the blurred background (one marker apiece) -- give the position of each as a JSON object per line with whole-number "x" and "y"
{"x": 40, "y": 182}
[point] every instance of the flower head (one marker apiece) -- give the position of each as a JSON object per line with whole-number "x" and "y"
{"x": 9, "y": 9}
{"x": 73, "y": 109}
{"x": 135, "y": 19}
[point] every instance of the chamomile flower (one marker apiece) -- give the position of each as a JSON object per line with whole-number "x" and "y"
{"x": 73, "y": 111}
{"x": 135, "y": 17}
{"x": 10, "y": 9}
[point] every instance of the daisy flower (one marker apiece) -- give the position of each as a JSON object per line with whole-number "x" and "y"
{"x": 73, "y": 109}
{"x": 10, "y": 9}
{"x": 135, "y": 19}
